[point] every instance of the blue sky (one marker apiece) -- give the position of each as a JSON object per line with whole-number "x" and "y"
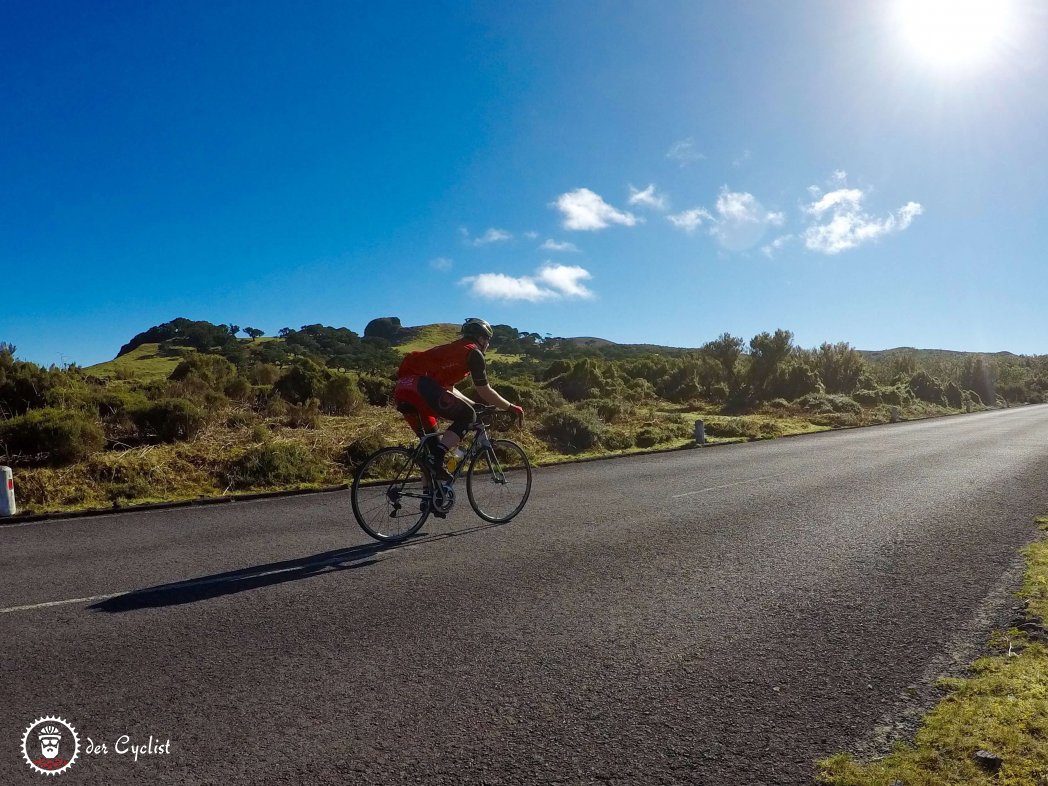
{"x": 656, "y": 172}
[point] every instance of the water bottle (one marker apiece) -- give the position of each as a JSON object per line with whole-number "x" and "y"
{"x": 454, "y": 457}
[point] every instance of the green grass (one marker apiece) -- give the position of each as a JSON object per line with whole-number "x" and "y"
{"x": 143, "y": 364}
{"x": 430, "y": 336}
{"x": 1001, "y": 708}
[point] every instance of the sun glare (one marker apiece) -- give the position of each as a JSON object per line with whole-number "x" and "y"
{"x": 955, "y": 34}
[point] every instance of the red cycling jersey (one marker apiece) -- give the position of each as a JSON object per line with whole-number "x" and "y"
{"x": 448, "y": 364}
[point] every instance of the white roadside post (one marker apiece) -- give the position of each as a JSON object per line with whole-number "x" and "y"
{"x": 7, "y": 492}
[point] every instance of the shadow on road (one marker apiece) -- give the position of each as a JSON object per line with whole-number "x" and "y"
{"x": 245, "y": 579}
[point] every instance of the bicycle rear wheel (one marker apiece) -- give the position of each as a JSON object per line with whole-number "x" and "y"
{"x": 498, "y": 481}
{"x": 391, "y": 497}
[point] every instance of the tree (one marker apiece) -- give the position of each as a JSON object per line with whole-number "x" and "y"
{"x": 978, "y": 377}
{"x": 7, "y": 349}
{"x": 839, "y": 366}
{"x": 725, "y": 350}
{"x": 234, "y": 329}
{"x": 768, "y": 351}
{"x": 254, "y": 332}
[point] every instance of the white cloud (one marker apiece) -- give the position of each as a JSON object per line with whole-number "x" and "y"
{"x": 553, "y": 245}
{"x": 739, "y": 222}
{"x": 648, "y": 198}
{"x": 531, "y": 235}
{"x": 441, "y": 263}
{"x": 493, "y": 235}
{"x": 742, "y": 159}
{"x": 551, "y": 282}
{"x": 689, "y": 220}
{"x": 776, "y": 245}
{"x": 684, "y": 152}
{"x": 586, "y": 211}
{"x": 565, "y": 280}
{"x": 841, "y": 223}
{"x": 742, "y": 220}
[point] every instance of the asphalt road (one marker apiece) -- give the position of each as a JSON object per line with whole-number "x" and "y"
{"x": 717, "y": 616}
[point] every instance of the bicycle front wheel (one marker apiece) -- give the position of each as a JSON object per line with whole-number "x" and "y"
{"x": 498, "y": 481}
{"x": 391, "y": 495}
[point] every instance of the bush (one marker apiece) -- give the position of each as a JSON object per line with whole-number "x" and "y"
{"x": 303, "y": 415}
{"x": 377, "y": 390}
{"x": 927, "y": 388}
{"x": 616, "y": 439}
{"x": 341, "y": 396}
{"x": 213, "y": 371}
{"x": 238, "y": 389}
{"x": 242, "y": 419}
{"x": 58, "y": 436}
{"x": 824, "y": 404}
{"x": 609, "y": 410}
{"x": 570, "y": 431}
{"x": 169, "y": 420}
{"x": 649, "y": 436}
{"x": 303, "y": 381}
{"x": 867, "y": 398}
{"x": 356, "y": 452}
{"x": 732, "y": 428}
{"x": 275, "y": 464}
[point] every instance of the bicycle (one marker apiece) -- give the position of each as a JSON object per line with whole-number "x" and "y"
{"x": 393, "y": 492}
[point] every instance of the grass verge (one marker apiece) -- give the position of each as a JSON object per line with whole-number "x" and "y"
{"x": 992, "y": 727}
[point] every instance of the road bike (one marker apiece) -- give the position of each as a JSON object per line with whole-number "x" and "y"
{"x": 394, "y": 491}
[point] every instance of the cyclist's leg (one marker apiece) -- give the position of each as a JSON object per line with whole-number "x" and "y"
{"x": 417, "y": 414}
{"x": 447, "y": 406}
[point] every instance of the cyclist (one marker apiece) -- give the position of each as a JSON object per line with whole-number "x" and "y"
{"x": 426, "y": 389}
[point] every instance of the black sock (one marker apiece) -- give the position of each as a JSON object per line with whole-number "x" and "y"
{"x": 439, "y": 452}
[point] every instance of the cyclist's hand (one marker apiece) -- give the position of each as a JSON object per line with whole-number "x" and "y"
{"x": 519, "y": 412}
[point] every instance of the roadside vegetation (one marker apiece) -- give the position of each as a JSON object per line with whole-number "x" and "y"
{"x": 992, "y": 726}
{"x": 191, "y": 408}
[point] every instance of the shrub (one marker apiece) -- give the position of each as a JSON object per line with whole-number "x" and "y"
{"x": 823, "y": 403}
{"x": 927, "y": 388}
{"x": 169, "y": 420}
{"x": 732, "y": 428}
{"x": 609, "y": 410}
{"x": 341, "y": 396}
{"x": 275, "y": 464}
{"x": 58, "y": 436}
{"x": 301, "y": 382}
{"x": 570, "y": 431}
{"x": 377, "y": 390}
{"x": 616, "y": 439}
{"x": 213, "y": 371}
{"x": 648, "y": 437}
{"x": 238, "y": 389}
{"x": 303, "y": 415}
{"x": 263, "y": 374}
{"x": 896, "y": 395}
{"x": 954, "y": 395}
{"x": 356, "y": 452}
{"x": 242, "y": 419}
{"x": 867, "y": 398}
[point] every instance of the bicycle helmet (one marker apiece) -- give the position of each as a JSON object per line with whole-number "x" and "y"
{"x": 476, "y": 328}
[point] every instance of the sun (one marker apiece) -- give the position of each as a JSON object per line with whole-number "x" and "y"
{"x": 955, "y": 34}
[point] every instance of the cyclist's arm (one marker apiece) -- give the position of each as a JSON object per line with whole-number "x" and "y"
{"x": 489, "y": 395}
{"x": 479, "y": 371}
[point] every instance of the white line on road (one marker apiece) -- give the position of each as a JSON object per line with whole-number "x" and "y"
{"x": 60, "y": 603}
{"x": 320, "y": 565}
{"x": 729, "y": 485}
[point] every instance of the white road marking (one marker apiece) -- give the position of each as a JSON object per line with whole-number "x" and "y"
{"x": 729, "y": 485}
{"x": 193, "y": 583}
{"x": 60, "y": 603}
